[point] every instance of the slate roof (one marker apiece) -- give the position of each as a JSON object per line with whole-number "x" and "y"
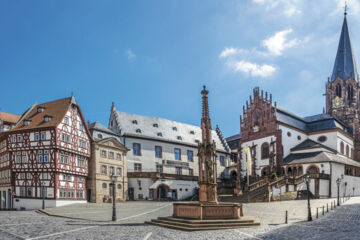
{"x": 309, "y": 124}
{"x": 151, "y": 127}
{"x": 98, "y": 126}
{"x": 345, "y": 65}
{"x": 233, "y": 141}
{"x": 318, "y": 157}
{"x": 308, "y": 143}
{"x": 9, "y": 117}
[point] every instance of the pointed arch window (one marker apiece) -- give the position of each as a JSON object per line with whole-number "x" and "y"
{"x": 338, "y": 90}
{"x": 350, "y": 93}
{"x": 265, "y": 150}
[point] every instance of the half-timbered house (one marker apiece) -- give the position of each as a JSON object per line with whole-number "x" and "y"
{"x": 48, "y": 152}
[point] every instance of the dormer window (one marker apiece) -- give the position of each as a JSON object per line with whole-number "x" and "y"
{"x": 40, "y": 109}
{"x": 175, "y": 128}
{"x": 26, "y": 122}
{"x": 159, "y": 134}
{"x": 47, "y": 119}
{"x": 134, "y": 121}
{"x": 192, "y": 132}
{"x": 179, "y": 138}
{"x": 155, "y": 125}
{"x": 138, "y": 130}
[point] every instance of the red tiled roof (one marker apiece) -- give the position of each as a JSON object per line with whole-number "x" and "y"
{"x": 55, "y": 109}
{"x": 9, "y": 117}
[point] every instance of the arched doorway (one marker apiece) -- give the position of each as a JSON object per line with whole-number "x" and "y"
{"x": 162, "y": 192}
{"x": 290, "y": 172}
{"x": 265, "y": 171}
{"x": 233, "y": 176}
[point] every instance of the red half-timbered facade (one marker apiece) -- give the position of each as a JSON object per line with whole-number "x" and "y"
{"x": 48, "y": 152}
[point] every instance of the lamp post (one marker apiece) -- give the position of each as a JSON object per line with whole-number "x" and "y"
{"x": 338, "y": 181}
{"x": 43, "y": 194}
{"x": 307, "y": 179}
{"x": 113, "y": 180}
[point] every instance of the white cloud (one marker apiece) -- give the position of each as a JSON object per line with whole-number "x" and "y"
{"x": 253, "y": 69}
{"x": 288, "y": 7}
{"x": 228, "y": 52}
{"x": 130, "y": 55}
{"x": 291, "y": 10}
{"x": 277, "y": 43}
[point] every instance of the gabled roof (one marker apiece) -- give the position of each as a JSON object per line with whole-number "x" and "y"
{"x": 163, "y": 130}
{"x": 308, "y": 143}
{"x": 234, "y": 137}
{"x": 318, "y": 157}
{"x": 54, "y": 109}
{"x": 345, "y": 65}
{"x": 9, "y": 117}
{"x": 114, "y": 141}
{"x": 101, "y": 128}
{"x": 309, "y": 124}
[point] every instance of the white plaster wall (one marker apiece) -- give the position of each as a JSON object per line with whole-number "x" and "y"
{"x": 292, "y": 141}
{"x": 181, "y": 189}
{"x": 145, "y": 184}
{"x": 259, "y": 162}
{"x": 331, "y": 139}
{"x": 277, "y": 191}
{"x": 149, "y": 161}
{"x": 31, "y": 204}
{"x": 324, "y": 188}
{"x": 352, "y": 182}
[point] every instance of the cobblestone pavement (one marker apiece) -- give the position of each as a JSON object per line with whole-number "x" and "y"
{"x": 31, "y": 225}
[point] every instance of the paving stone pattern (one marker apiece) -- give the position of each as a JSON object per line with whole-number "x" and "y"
{"x": 339, "y": 224}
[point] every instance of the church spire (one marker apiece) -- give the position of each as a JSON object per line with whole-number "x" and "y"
{"x": 345, "y": 65}
{"x": 205, "y": 120}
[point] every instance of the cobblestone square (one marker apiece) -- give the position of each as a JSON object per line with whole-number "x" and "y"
{"x": 340, "y": 223}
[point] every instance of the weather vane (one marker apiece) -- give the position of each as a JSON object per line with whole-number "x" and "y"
{"x": 345, "y": 8}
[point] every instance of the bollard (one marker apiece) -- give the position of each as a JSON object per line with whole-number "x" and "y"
{"x": 286, "y": 217}
{"x": 331, "y": 206}
{"x": 327, "y": 207}
{"x": 317, "y": 212}
{"x": 334, "y": 204}
{"x": 323, "y": 210}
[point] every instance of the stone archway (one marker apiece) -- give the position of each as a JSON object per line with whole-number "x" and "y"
{"x": 233, "y": 175}
{"x": 162, "y": 191}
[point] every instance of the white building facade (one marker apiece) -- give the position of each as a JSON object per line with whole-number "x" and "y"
{"x": 162, "y": 161}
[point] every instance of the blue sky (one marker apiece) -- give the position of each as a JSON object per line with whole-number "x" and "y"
{"x": 152, "y": 57}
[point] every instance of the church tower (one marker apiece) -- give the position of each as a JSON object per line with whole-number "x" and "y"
{"x": 342, "y": 88}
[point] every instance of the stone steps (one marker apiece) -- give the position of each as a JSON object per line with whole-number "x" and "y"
{"x": 202, "y": 225}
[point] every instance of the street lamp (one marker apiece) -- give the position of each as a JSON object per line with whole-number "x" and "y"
{"x": 113, "y": 180}
{"x": 43, "y": 194}
{"x": 338, "y": 181}
{"x": 307, "y": 180}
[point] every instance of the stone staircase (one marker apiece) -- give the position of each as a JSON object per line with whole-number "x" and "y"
{"x": 203, "y": 225}
{"x": 260, "y": 191}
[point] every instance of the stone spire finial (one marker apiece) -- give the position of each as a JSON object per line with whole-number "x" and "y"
{"x": 205, "y": 106}
{"x": 205, "y": 120}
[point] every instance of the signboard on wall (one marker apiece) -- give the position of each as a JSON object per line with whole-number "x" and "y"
{"x": 175, "y": 163}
